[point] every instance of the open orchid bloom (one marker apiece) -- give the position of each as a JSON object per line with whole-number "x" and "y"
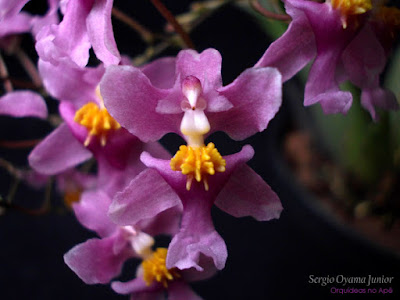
{"x": 337, "y": 34}
{"x": 88, "y": 130}
{"x": 23, "y": 104}
{"x": 100, "y": 260}
{"x": 193, "y": 106}
{"x": 149, "y": 108}
{"x": 86, "y": 23}
{"x": 154, "y": 279}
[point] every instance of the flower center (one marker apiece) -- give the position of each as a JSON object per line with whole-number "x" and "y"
{"x": 198, "y": 163}
{"x": 196, "y": 160}
{"x": 97, "y": 121}
{"x": 350, "y": 8}
{"x": 154, "y": 268}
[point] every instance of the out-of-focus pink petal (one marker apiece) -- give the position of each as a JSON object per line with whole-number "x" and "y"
{"x": 322, "y": 86}
{"x": 74, "y": 179}
{"x": 58, "y": 152}
{"x": 135, "y": 287}
{"x": 156, "y": 295}
{"x": 11, "y": 7}
{"x": 378, "y": 97}
{"x": 91, "y": 212}
{"x": 294, "y": 49}
{"x": 51, "y": 17}
{"x": 364, "y": 58}
{"x": 179, "y": 290}
{"x": 256, "y": 96}
{"x": 331, "y": 40}
{"x": 19, "y": 23}
{"x": 23, "y": 104}
{"x": 101, "y": 34}
{"x": 246, "y": 194}
{"x": 94, "y": 261}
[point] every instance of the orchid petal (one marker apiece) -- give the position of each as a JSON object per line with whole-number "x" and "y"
{"x": 161, "y": 72}
{"x": 136, "y": 286}
{"x": 67, "y": 83}
{"x": 23, "y": 104}
{"x": 67, "y": 42}
{"x": 364, "y": 58}
{"x": 246, "y": 194}
{"x": 11, "y": 7}
{"x": 19, "y": 23}
{"x": 94, "y": 261}
{"x": 294, "y": 49}
{"x": 323, "y": 88}
{"x": 197, "y": 236}
{"x": 147, "y": 191}
{"x": 100, "y": 32}
{"x": 132, "y": 100}
{"x": 256, "y": 96}
{"x": 166, "y": 222}
{"x": 179, "y": 290}
{"x": 58, "y": 152}
{"x": 206, "y": 66}
{"x": 91, "y": 211}
{"x": 380, "y": 98}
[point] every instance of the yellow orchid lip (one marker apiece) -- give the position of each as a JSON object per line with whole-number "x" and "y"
{"x": 154, "y": 268}
{"x": 349, "y": 8}
{"x": 198, "y": 163}
{"x": 97, "y": 121}
{"x": 352, "y": 7}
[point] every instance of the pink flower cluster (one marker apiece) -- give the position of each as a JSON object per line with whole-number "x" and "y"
{"x": 115, "y": 114}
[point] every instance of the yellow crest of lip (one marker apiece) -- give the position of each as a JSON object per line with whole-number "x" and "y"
{"x": 97, "y": 121}
{"x": 198, "y": 163}
{"x": 154, "y": 268}
{"x": 352, "y": 7}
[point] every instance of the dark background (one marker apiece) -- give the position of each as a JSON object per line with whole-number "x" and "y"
{"x": 267, "y": 260}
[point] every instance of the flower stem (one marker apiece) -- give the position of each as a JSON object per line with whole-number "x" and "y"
{"x": 19, "y": 144}
{"x": 146, "y": 34}
{"x": 175, "y": 24}
{"x": 265, "y": 12}
{"x": 4, "y": 76}
{"x": 29, "y": 67}
{"x": 9, "y": 167}
{"x": 21, "y": 83}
